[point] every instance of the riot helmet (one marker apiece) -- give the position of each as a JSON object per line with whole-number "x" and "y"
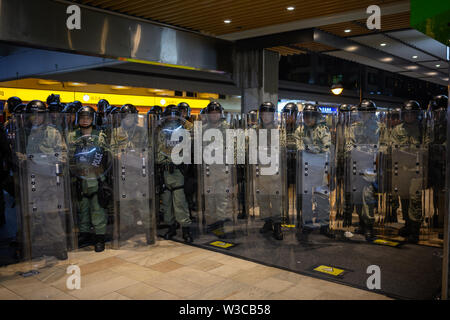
{"x": 53, "y": 98}
{"x": 20, "y": 108}
{"x": 77, "y": 104}
{"x": 367, "y": 105}
{"x": 128, "y": 108}
{"x": 185, "y": 110}
{"x": 114, "y": 110}
{"x": 214, "y": 111}
{"x": 70, "y": 108}
{"x": 439, "y": 102}
{"x": 55, "y": 107}
{"x": 253, "y": 117}
{"x": 345, "y": 107}
{"x": 290, "y": 108}
{"x": 129, "y": 115}
{"x": 311, "y": 114}
{"x": 36, "y": 106}
{"x": 266, "y": 113}
{"x": 102, "y": 106}
{"x": 12, "y": 103}
{"x": 171, "y": 111}
{"x": 86, "y": 117}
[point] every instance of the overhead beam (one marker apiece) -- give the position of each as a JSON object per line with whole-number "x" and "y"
{"x": 278, "y": 39}
{"x": 42, "y": 24}
{"x": 34, "y": 63}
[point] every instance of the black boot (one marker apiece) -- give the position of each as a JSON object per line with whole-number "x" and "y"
{"x": 362, "y": 228}
{"x": 325, "y": 230}
{"x": 84, "y": 239}
{"x": 368, "y": 233}
{"x": 268, "y": 226}
{"x": 60, "y": 251}
{"x": 277, "y": 232}
{"x": 414, "y": 231}
{"x": 99, "y": 242}
{"x": 404, "y": 231}
{"x": 171, "y": 232}
{"x": 187, "y": 236}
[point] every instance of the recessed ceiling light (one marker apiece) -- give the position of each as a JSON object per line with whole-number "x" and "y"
{"x": 438, "y": 65}
{"x": 414, "y": 57}
{"x": 412, "y": 67}
{"x": 76, "y": 84}
{"x": 119, "y": 87}
{"x": 348, "y": 30}
{"x": 431, "y": 73}
{"x": 383, "y": 44}
{"x": 227, "y": 21}
{"x": 290, "y": 8}
{"x": 387, "y": 59}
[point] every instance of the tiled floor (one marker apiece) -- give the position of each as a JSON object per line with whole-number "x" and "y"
{"x": 168, "y": 270}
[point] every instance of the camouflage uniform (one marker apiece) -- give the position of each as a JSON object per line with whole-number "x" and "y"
{"x": 174, "y": 204}
{"x": 90, "y": 211}
{"x": 406, "y": 137}
{"x": 363, "y": 136}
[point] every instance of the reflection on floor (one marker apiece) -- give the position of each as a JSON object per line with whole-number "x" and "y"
{"x": 168, "y": 270}
{"x": 407, "y": 271}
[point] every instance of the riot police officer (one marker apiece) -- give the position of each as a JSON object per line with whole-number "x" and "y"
{"x": 218, "y": 180}
{"x": 102, "y": 106}
{"x": 343, "y": 195}
{"x": 269, "y": 189}
{"x": 314, "y": 146}
{"x": 189, "y": 178}
{"x": 46, "y": 151}
{"x": 53, "y": 98}
{"x": 129, "y": 143}
{"x": 362, "y": 146}
{"x": 70, "y": 115}
{"x": 407, "y": 141}
{"x": 437, "y": 118}
{"x": 174, "y": 204}
{"x": 88, "y": 159}
{"x": 11, "y": 104}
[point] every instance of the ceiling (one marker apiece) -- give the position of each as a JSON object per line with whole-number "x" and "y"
{"x": 250, "y": 19}
{"x": 208, "y": 16}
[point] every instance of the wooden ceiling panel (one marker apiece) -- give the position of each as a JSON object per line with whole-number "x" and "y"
{"x": 286, "y": 51}
{"x": 314, "y": 46}
{"x": 388, "y": 23}
{"x": 208, "y": 15}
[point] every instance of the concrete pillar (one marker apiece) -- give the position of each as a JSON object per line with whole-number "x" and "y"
{"x": 256, "y": 74}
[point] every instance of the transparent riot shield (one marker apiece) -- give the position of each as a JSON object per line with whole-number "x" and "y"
{"x": 90, "y": 163}
{"x": 46, "y": 225}
{"x": 314, "y": 157}
{"x": 343, "y": 217}
{"x": 267, "y": 172}
{"x": 364, "y": 145}
{"x": 173, "y": 162}
{"x": 9, "y": 209}
{"x": 218, "y": 168}
{"x": 408, "y": 161}
{"x": 133, "y": 176}
{"x": 289, "y": 125}
{"x": 436, "y": 209}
